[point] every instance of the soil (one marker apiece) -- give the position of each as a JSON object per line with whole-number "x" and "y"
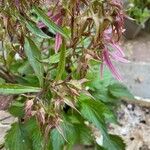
{"x": 134, "y": 126}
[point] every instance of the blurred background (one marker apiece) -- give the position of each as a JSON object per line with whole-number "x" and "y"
{"x": 135, "y": 117}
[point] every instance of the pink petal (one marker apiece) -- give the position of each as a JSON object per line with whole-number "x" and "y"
{"x": 58, "y": 38}
{"x": 17, "y": 3}
{"x": 118, "y": 49}
{"x": 49, "y": 13}
{"x": 56, "y": 17}
{"x": 110, "y": 65}
{"x": 41, "y": 115}
{"x": 28, "y": 107}
{"x": 58, "y": 42}
{"x": 41, "y": 25}
{"x": 118, "y": 58}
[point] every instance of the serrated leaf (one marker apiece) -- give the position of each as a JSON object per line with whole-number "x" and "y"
{"x": 57, "y": 140}
{"x": 118, "y": 142}
{"x": 72, "y": 134}
{"x": 16, "y": 138}
{"x": 90, "y": 112}
{"x": 94, "y": 112}
{"x": 35, "y": 30}
{"x": 17, "y": 89}
{"x": 83, "y": 134}
{"x": 67, "y": 136}
{"x": 33, "y": 54}
{"x": 98, "y": 107}
{"x": 119, "y": 90}
{"x": 48, "y": 22}
{"x": 34, "y": 132}
{"x": 62, "y": 61}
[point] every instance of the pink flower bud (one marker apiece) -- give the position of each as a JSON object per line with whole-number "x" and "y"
{"x": 28, "y": 107}
{"x": 41, "y": 115}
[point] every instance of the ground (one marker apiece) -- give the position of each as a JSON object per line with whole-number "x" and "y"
{"x": 134, "y": 118}
{"x": 134, "y": 126}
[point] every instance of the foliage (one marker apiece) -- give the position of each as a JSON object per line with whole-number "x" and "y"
{"x": 50, "y": 58}
{"x": 139, "y": 10}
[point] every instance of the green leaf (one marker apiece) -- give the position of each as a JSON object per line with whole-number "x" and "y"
{"x": 25, "y": 136}
{"x": 55, "y": 58}
{"x": 118, "y": 90}
{"x": 2, "y": 81}
{"x": 70, "y": 134}
{"x": 83, "y": 134}
{"x": 78, "y": 130}
{"x": 9, "y": 50}
{"x": 99, "y": 87}
{"x": 16, "y": 138}
{"x": 57, "y": 140}
{"x": 89, "y": 110}
{"x": 118, "y": 142}
{"x": 25, "y": 68}
{"x": 95, "y": 112}
{"x": 34, "y": 132}
{"x": 35, "y": 30}
{"x": 47, "y": 21}
{"x": 17, "y": 109}
{"x": 17, "y": 89}
{"x": 33, "y": 54}
{"x": 62, "y": 61}
{"x": 98, "y": 147}
{"x": 103, "y": 111}
{"x": 106, "y": 89}
{"x": 66, "y": 134}
{"x": 28, "y": 80}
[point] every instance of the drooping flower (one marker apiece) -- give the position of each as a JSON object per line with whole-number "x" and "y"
{"x": 58, "y": 38}
{"x": 112, "y": 50}
{"x": 111, "y": 36}
{"x": 16, "y": 3}
{"x": 28, "y": 107}
{"x": 107, "y": 60}
{"x": 58, "y": 42}
{"x": 41, "y": 115}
